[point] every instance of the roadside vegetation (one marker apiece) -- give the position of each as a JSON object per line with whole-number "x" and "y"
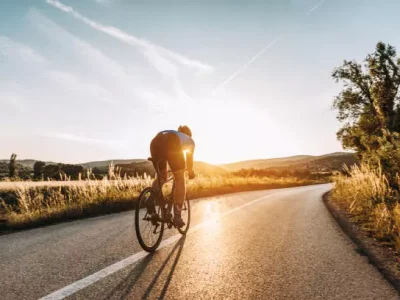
{"x": 369, "y": 109}
{"x": 27, "y": 204}
{"x": 366, "y": 194}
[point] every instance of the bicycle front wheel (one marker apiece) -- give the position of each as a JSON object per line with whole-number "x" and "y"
{"x": 185, "y": 216}
{"x": 149, "y": 226}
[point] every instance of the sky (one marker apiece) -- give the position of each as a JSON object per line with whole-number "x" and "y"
{"x": 86, "y": 80}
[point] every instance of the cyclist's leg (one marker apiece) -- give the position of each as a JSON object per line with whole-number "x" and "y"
{"x": 179, "y": 196}
{"x": 158, "y": 148}
{"x": 180, "y": 187}
{"x": 176, "y": 161}
{"x": 150, "y": 203}
{"x": 159, "y": 151}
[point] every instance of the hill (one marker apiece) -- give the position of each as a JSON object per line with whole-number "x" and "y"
{"x": 206, "y": 168}
{"x": 329, "y": 162}
{"x": 323, "y": 163}
{"x": 332, "y": 161}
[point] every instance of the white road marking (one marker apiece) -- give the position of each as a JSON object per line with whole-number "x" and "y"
{"x": 89, "y": 280}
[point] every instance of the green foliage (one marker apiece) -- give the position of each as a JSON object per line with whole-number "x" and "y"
{"x": 23, "y": 172}
{"x": 369, "y": 109}
{"x": 60, "y": 171}
{"x": 4, "y": 172}
{"x": 38, "y": 169}
{"x": 100, "y": 172}
{"x": 72, "y": 171}
{"x": 52, "y": 172}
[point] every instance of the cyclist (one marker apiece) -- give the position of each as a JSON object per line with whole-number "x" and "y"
{"x": 170, "y": 146}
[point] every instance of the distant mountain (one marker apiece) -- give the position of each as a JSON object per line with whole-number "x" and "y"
{"x": 327, "y": 162}
{"x": 106, "y": 163}
{"x": 265, "y": 163}
{"x": 332, "y": 161}
{"x": 206, "y": 168}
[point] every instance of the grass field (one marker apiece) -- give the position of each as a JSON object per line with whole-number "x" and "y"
{"x": 30, "y": 204}
{"x": 372, "y": 203}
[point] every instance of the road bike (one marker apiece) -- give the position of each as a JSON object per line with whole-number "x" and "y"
{"x": 150, "y": 227}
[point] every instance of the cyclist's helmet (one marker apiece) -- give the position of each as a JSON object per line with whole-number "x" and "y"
{"x": 186, "y": 130}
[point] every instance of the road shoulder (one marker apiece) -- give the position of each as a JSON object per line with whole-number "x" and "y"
{"x": 383, "y": 258}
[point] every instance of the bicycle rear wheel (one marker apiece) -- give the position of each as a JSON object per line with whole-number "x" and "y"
{"x": 149, "y": 228}
{"x": 185, "y": 216}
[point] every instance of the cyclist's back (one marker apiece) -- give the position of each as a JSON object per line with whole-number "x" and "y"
{"x": 186, "y": 141}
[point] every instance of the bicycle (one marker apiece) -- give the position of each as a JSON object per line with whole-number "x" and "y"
{"x": 153, "y": 227}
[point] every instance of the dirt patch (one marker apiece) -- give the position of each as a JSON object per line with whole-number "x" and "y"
{"x": 384, "y": 258}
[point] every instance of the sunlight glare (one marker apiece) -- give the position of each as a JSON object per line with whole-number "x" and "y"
{"x": 212, "y": 215}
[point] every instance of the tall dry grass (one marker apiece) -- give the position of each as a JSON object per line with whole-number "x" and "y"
{"x": 366, "y": 194}
{"x": 34, "y": 205}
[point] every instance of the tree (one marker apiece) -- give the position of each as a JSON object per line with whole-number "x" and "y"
{"x": 72, "y": 171}
{"x": 38, "y": 169}
{"x": 52, "y": 172}
{"x": 59, "y": 171}
{"x": 13, "y": 165}
{"x": 369, "y": 109}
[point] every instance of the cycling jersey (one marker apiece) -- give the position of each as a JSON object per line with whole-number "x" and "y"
{"x": 187, "y": 142}
{"x": 168, "y": 146}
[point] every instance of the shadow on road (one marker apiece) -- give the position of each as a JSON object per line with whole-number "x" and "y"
{"x": 129, "y": 283}
{"x": 178, "y": 247}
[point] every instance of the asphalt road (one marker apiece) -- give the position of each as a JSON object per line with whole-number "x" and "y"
{"x": 277, "y": 244}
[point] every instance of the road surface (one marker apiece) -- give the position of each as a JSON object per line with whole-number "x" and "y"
{"x": 276, "y": 244}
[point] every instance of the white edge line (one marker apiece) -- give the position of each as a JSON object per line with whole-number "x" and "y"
{"x": 89, "y": 280}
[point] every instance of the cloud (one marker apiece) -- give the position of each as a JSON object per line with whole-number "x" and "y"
{"x": 10, "y": 96}
{"x": 89, "y": 54}
{"x": 156, "y": 54}
{"x": 241, "y": 68}
{"x": 73, "y": 83}
{"x": 80, "y": 139}
{"x": 165, "y": 61}
{"x": 14, "y": 54}
{"x": 12, "y": 49}
{"x": 315, "y": 7}
{"x": 16, "y": 95}
{"x": 103, "y": 1}
{"x": 106, "y": 79}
